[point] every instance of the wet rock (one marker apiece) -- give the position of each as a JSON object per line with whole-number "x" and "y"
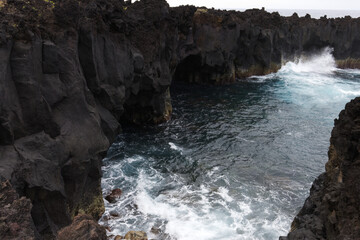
{"x": 15, "y": 217}
{"x": 160, "y": 234}
{"x": 155, "y": 230}
{"x": 84, "y": 227}
{"x": 114, "y": 195}
{"x": 114, "y": 213}
{"x": 118, "y": 237}
{"x": 135, "y": 235}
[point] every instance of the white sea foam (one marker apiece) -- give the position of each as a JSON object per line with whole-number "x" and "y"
{"x": 351, "y": 93}
{"x": 243, "y": 139}
{"x": 311, "y": 68}
{"x": 261, "y": 78}
{"x": 183, "y": 219}
{"x": 187, "y": 212}
{"x": 351, "y": 71}
{"x": 224, "y": 194}
{"x": 312, "y": 80}
{"x": 320, "y": 63}
{"x": 176, "y": 148}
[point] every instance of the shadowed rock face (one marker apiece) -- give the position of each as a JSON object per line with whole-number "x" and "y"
{"x": 72, "y": 71}
{"x": 332, "y": 209}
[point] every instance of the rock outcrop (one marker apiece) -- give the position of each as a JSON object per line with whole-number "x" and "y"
{"x": 82, "y": 228}
{"x": 133, "y": 235}
{"x": 114, "y": 195}
{"x": 72, "y": 71}
{"x": 332, "y": 210}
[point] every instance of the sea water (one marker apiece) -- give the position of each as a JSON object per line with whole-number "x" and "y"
{"x": 234, "y": 161}
{"x": 315, "y": 13}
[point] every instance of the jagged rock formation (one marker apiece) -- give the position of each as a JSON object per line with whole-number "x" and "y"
{"x": 332, "y": 210}
{"x": 72, "y": 71}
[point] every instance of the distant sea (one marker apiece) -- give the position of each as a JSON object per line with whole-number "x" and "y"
{"x": 315, "y": 13}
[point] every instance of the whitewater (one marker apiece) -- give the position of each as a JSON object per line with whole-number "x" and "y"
{"x": 235, "y": 161}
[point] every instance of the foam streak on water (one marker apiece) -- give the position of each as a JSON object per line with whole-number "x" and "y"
{"x": 234, "y": 162}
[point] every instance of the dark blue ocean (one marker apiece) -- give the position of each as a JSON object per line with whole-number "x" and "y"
{"x": 235, "y": 161}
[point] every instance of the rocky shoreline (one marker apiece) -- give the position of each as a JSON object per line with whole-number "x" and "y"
{"x": 71, "y": 72}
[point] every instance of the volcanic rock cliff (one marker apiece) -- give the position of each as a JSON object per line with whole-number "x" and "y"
{"x": 72, "y": 71}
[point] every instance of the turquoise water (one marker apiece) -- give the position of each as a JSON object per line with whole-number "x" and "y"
{"x": 235, "y": 161}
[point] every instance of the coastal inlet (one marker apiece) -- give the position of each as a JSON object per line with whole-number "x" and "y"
{"x": 235, "y": 161}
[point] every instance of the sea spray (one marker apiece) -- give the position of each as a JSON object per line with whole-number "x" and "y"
{"x": 322, "y": 62}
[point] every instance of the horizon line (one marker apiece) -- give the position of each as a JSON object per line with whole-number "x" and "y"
{"x": 266, "y": 8}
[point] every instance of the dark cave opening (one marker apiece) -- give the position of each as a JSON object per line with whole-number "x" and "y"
{"x": 188, "y": 70}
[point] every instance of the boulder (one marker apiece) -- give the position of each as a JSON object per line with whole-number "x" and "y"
{"x": 135, "y": 235}
{"x": 114, "y": 195}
